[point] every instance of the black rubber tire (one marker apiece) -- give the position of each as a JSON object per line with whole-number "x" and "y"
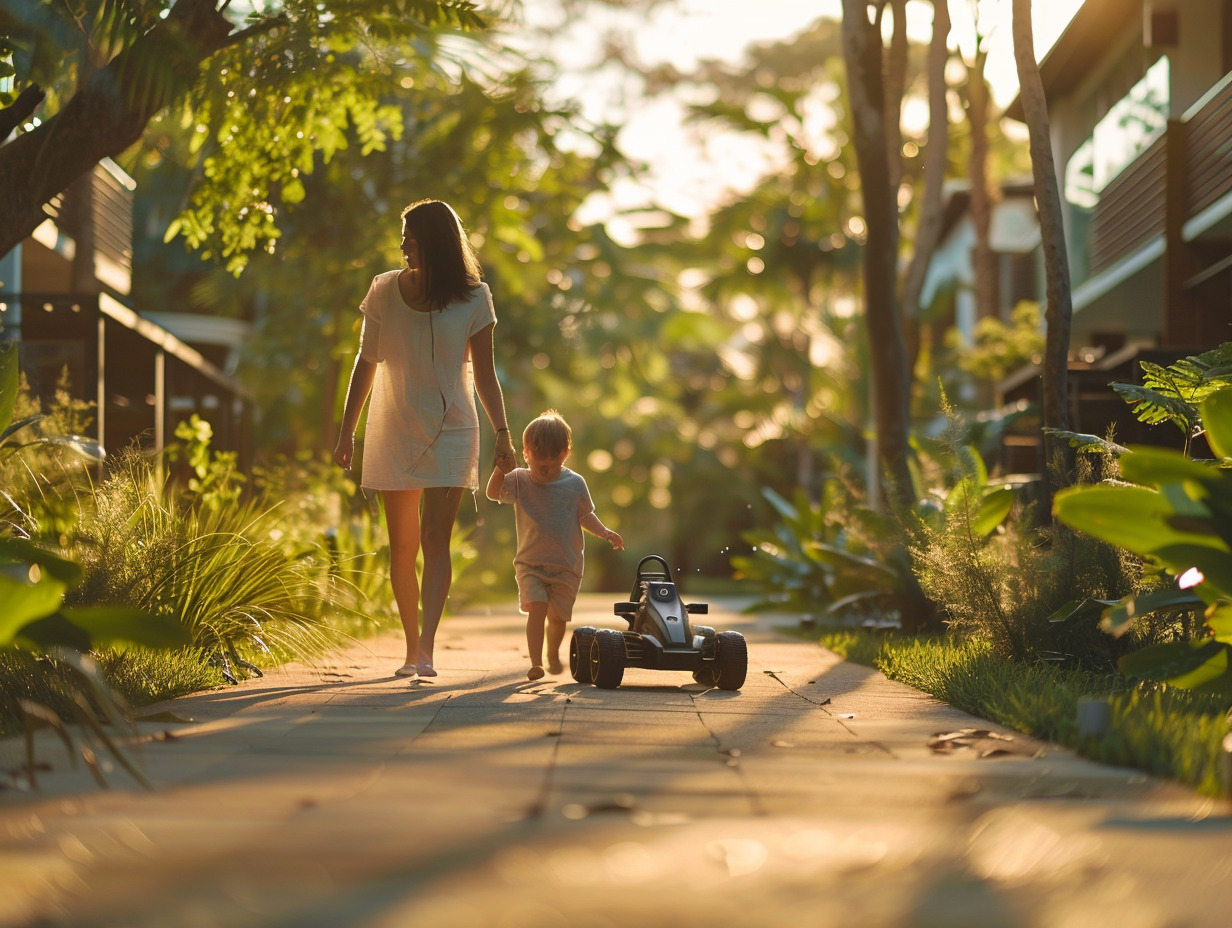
{"x": 708, "y": 672}
{"x": 607, "y": 659}
{"x": 579, "y": 654}
{"x": 732, "y": 663}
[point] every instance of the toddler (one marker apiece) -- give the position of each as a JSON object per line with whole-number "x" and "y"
{"x": 552, "y": 506}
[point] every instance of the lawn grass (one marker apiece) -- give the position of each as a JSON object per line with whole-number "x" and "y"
{"x": 1166, "y": 731}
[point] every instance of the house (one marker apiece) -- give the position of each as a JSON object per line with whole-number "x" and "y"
{"x": 1140, "y": 110}
{"x": 1140, "y": 107}
{"x": 65, "y": 298}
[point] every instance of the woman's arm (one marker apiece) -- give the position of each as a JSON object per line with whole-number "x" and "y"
{"x": 489, "y": 390}
{"x": 358, "y": 389}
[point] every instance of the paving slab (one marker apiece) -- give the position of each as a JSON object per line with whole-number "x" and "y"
{"x": 340, "y": 795}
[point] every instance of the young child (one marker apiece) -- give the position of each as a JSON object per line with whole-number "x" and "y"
{"x": 552, "y": 507}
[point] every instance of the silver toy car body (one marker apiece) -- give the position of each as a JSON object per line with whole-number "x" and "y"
{"x": 660, "y": 637}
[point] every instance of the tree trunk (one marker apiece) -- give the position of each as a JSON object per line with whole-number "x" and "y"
{"x": 862, "y": 51}
{"x": 105, "y": 117}
{"x": 981, "y": 196}
{"x": 1059, "y": 309}
{"x": 936, "y": 150}
{"x": 895, "y": 86}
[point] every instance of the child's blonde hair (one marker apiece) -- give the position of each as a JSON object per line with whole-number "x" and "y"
{"x": 548, "y": 436}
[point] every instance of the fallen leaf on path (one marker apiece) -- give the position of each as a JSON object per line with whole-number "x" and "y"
{"x": 983, "y": 742}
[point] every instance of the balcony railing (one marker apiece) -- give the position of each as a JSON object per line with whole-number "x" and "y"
{"x": 1130, "y": 211}
{"x": 1208, "y": 153}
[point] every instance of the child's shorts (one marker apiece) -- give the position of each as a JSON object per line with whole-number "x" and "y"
{"x": 558, "y": 588}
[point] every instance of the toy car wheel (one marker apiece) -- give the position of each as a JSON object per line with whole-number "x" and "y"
{"x": 707, "y": 673}
{"x": 579, "y": 654}
{"x": 607, "y": 659}
{"x": 732, "y": 663}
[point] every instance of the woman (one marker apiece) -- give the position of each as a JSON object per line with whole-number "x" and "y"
{"x": 424, "y": 351}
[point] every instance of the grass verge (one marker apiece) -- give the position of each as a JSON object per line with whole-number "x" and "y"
{"x": 1172, "y": 733}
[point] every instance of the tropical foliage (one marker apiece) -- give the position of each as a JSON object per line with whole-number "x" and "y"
{"x": 1168, "y": 394}
{"x": 1175, "y": 513}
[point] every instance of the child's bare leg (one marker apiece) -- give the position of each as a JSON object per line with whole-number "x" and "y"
{"x": 536, "y": 613}
{"x": 556, "y": 635}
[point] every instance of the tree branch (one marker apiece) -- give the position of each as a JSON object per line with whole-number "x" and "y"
{"x": 261, "y": 28}
{"x": 20, "y": 109}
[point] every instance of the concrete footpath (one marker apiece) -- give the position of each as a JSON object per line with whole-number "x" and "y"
{"x": 339, "y": 795}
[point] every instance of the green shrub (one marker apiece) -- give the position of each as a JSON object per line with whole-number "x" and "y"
{"x": 224, "y": 572}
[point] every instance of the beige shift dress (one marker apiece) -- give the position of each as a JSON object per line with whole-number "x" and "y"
{"x": 423, "y": 426}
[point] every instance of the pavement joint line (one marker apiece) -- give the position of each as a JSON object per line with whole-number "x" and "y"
{"x": 732, "y": 760}
{"x": 773, "y": 674}
{"x": 538, "y": 809}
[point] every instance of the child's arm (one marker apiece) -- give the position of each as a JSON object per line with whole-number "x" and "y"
{"x": 495, "y": 482}
{"x": 590, "y": 522}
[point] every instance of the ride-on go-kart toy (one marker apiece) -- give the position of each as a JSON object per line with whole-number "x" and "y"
{"x": 659, "y": 637}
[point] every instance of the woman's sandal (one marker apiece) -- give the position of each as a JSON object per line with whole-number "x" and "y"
{"x": 425, "y": 670}
{"x": 408, "y": 671}
{"x": 534, "y": 673}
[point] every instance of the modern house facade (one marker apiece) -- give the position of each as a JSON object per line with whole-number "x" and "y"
{"x": 65, "y": 298}
{"x": 1140, "y": 109}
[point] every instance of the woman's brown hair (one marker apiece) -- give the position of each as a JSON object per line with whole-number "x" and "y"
{"x": 450, "y": 268}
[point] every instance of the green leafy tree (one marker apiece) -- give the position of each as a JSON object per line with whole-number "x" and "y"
{"x": 268, "y": 91}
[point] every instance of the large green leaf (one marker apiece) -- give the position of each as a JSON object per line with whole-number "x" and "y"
{"x": 1219, "y": 618}
{"x": 1122, "y": 613}
{"x": 109, "y": 626}
{"x": 785, "y": 509}
{"x": 994, "y": 507}
{"x": 86, "y": 447}
{"x": 1088, "y": 444}
{"x": 1215, "y": 676}
{"x": 21, "y": 552}
{"x": 23, "y": 600}
{"x": 1215, "y": 565}
{"x": 1176, "y": 659}
{"x": 1135, "y": 518}
{"x": 1156, "y": 466}
{"x": 1217, "y": 417}
{"x": 1153, "y": 407}
{"x": 9, "y": 380}
{"x": 14, "y": 427}
{"x": 1081, "y": 608}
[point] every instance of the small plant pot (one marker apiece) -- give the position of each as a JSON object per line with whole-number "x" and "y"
{"x": 1094, "y": 717}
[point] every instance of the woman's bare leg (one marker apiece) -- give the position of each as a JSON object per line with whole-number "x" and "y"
{"x": 440, "y": 509}
{"x": 402, "y": 520}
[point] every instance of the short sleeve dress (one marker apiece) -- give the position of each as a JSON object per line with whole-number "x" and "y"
{"x": 423, "y": 426}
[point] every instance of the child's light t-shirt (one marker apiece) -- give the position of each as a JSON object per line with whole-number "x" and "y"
{"x": 548, "y": 518}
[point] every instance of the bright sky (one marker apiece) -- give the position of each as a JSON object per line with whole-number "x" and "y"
{"x": 687, "y": 177}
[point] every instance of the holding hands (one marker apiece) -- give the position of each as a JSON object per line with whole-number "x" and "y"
{"x": 506, "y": 459}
